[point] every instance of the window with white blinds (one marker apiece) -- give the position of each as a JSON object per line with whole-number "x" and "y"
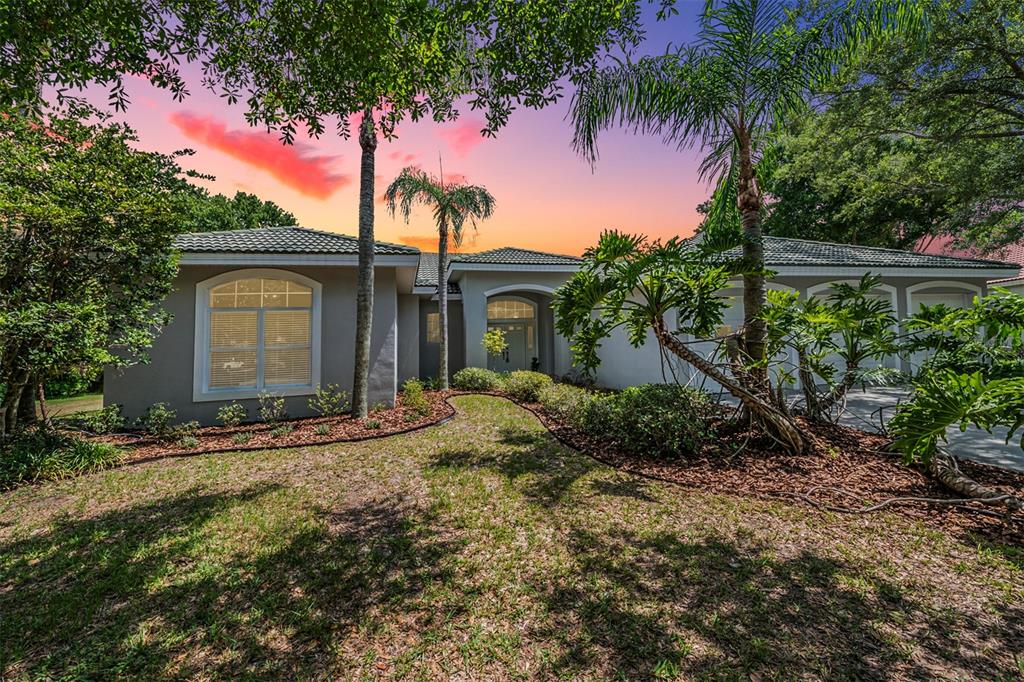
{"x": 259, "y": 333}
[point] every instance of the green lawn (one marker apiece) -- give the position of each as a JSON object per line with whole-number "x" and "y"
{"x": 480, "y": 549}
{"x": 62, "y": 407}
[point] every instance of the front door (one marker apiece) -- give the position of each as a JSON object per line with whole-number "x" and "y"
{"x": 515, "y": 356}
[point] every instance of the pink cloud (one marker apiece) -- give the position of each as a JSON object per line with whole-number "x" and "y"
{"x": 296, "y": 165}
{"x": 401, "y": 156}
{"x": 462, "y": 136}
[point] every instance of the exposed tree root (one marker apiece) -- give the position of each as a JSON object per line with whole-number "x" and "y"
{"x": 963, "y": 502}
{"x": 943, "y": 468}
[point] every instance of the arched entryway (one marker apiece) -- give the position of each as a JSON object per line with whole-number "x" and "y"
{"x": 518, "y": 319}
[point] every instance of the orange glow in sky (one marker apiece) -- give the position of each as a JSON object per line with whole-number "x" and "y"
{"x": 548, "y": 197}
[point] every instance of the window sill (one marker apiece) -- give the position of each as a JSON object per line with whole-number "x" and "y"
{"x": 250, "y": 394}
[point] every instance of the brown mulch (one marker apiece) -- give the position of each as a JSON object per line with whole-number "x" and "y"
{"x": 344, "y": 428}
{"x": 845, "y": 468}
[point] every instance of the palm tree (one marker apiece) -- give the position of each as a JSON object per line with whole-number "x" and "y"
{"x": 751, "y": 69}
{"x": 454, "y": 205}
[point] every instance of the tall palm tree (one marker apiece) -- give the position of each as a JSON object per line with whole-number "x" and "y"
{"x": 751, "y": 69}
{"x": 455, "y": 205}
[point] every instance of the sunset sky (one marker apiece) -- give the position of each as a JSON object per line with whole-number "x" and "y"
{"x": 548, "y": 198}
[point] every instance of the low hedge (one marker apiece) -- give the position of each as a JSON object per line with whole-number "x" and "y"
{"x": 653, "y": 420}
{"x": 476, "y": 379}
{"x": 525, "y": 386}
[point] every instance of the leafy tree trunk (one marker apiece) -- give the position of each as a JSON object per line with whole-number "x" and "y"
{"x": 749, "y": 202}
{"x": 27, "y": 406}
{"x": 12, "y": 400}
{"x": 442, "y": 299}
{"x": 780, "y": 426}
{"x": 364, "y": 283}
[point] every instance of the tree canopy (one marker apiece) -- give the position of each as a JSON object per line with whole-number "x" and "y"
{"x": 85, "y": 258}
{"x": 914, "y": 140}
{"x": 207, "y": 212}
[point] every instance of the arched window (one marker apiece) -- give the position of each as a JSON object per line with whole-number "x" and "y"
{"x": 257, "y": 331}
{"x": 510, "y": 309}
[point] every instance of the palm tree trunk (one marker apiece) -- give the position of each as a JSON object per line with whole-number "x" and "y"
{"x": 780, "y": 426}
{"x": 749, "y": 202}
{"x": 364, "y": 283}
{"x": 442, "y": 300}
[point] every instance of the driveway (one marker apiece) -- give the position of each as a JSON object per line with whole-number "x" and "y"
{"x": 864, "y": 409}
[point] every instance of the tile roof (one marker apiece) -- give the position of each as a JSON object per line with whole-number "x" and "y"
{"x": 426, "y": 275}
{"x": 290, "y": 239}
{"x": 1011, "y": 254}
{"x": 780, "y": 251}
{"x": 508, "y": 255}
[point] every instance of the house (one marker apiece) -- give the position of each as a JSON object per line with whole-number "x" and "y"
{"x": 273, "y": 310}
{"x": 1010, "y": 254}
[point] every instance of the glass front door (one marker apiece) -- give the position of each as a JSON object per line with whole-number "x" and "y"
{"x": 516, "y": 354}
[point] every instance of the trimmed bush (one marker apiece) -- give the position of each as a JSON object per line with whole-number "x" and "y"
{"x": 567, "y": 404}
{"x": 40, "y": 455}
{"x": 661, "y": 420}
{"x": 476, "y": 379}
{"x": 413, "y": 398}
{"x": 107, "y": 420}
{"x": 525, "y": 386}
{"x": 156, "y": 420}
{"x": 232, "y": 414}
{"x": 271, "y": 408}
{"x": 329, "y": 401}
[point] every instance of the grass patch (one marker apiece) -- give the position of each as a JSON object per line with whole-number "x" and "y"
{"x": 478, "y": 549}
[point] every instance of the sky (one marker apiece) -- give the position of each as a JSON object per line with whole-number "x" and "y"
{"x": 548, "y": 198}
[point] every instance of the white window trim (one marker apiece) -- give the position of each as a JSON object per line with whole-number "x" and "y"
{"x": 887, "y": 288}
{"x": 922, "y": 287}
{"x": 200, "y": 359}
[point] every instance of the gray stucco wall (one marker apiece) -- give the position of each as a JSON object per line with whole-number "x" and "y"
{"x": 408, "y": 337}
{"x": 429, "y": 352}
{"x": 169, "y": 376}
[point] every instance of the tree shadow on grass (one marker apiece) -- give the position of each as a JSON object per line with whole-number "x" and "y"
{"x": 637, "y": 605}
{"x": 533, "y": 460}
{"x": 129, "y": 593}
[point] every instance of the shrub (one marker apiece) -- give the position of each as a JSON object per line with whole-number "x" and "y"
{"x": 525, "y": 386}
{"x": 156, "y": 420}
{"x": 42, "y": 454}
{"x": 413, "y": 398}
{"x": 476, "y": 379}
{"x": 494, "y": 342}
{"x": 662, "y": 420}
{"x": 188, "y": 442}
{"x": 430, "y": 383}
{"x": 242, "y": 437}
{"x": 323, "y": 429}
{"x": 372, "y": 423}
{"x": 232, "y": 414}
{"x": 271, "y": 409}
{"x": 329, "y": 401}
{"x": 107, "y": 420}
{"x": 570, "y": 405}
{"x": 282, "y": 430}
{"x": 378, "y": 406}
{"x": 183, "y": 430}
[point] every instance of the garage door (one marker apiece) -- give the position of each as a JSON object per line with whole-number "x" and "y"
{"x": 954, "y": 299}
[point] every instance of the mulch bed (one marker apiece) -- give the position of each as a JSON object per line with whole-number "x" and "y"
{"x": 343, "y": 428}
{"x": 845, "y": 468}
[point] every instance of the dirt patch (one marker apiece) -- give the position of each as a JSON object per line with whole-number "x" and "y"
{"x": 843, "y": 468}
{"x": 288, "y": 433}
